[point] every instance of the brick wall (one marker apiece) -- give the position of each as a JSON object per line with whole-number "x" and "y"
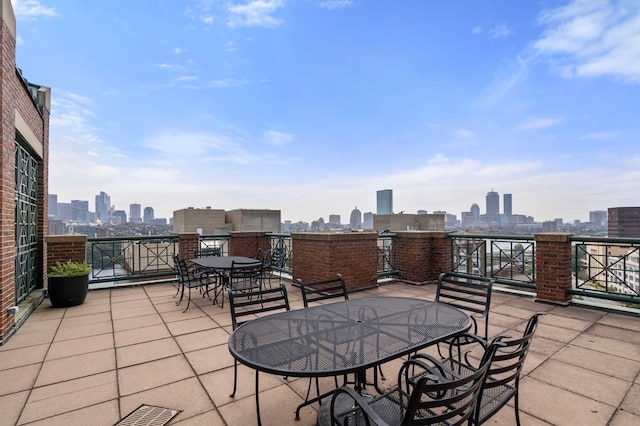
{"x": 14, "y": 97}
{"x": 62, "y": 248}
{"x": 422, "y": 256}
{"x": 553, "y": 267}
{"x": 319, "y": 256}
{"x": 188, "y": 243}
{"x": 247, "y": 243}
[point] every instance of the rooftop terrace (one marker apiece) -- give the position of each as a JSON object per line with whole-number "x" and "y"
{"x": 95, "y": 363}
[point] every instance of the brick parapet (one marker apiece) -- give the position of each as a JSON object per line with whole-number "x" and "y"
{"x": 323, "y": 255}
{"x": 247, "y": 243}
{"x": 553, "y": 267}
{"x": 188, "y": 244}
{"x": 421, "y": 256}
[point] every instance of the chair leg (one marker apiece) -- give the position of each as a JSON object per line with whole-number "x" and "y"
{"x": 515, "y": 403}
{"x": 181, "y": 294}
{"x": 188, "y": 301}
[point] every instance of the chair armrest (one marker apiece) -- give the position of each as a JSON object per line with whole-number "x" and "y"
{"x": 371, "y": 418}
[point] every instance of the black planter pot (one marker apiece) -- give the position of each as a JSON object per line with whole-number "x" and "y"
{"x": 68, "y": 291}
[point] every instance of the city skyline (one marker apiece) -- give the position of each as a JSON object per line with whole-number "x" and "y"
{"x": 310, "y": 107}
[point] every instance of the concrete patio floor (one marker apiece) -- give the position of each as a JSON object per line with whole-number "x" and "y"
{"x": 93, "y": 364}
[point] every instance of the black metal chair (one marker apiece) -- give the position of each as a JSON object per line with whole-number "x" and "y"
{"x": 189, "y": 277}
{"x": 502, "y": 381}
{"x": 425, "y": 395}
{"x": 316, "y": 291}
{"x": 244, "y": 306}
{"x": 244, "y": 277}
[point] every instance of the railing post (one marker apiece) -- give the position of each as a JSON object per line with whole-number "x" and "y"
{"x": 188, "y": 244}
{"x": 422, "y": 256}
{"x": 321, "y": 255}
{"x": 553, "y": 267}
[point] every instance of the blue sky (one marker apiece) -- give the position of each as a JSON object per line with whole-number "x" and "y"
{"x": 310, "y": 106}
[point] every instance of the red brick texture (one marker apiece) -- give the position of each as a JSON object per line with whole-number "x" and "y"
{"x": 14, "y": 97}
{"x": 247, "y": 243}
{"x": 553, "y": 267}
{"x": 319, "y": 256}
{"x": 62, "y": 248}
{"x": 188, "y": 243}
{"x": 422, "y": 256}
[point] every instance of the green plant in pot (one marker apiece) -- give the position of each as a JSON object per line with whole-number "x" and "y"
{"x": 68, "y": 283}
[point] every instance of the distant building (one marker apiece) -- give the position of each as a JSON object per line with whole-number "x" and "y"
{"x": 624, "y": 222}
{"x": 334, "y": 220}
{"x": 119, "y": 217}
{"x": 254, "y": 220}
{"x": 367, "y": 220}
{"x": 103, "y": 207}
{"x": 422, "y": 212}
{"x": 53, "y": 205}
{"x": 408, "y": 222}
{"x": 203, "y": 221}
{"x": 508, "y": 207}
{"x": 598, "y": 217}
{"x": 475, "y": 212}
{"x": 80, "y": 211}
{"x": 384, "y": 201}
{"x": 493, "y": 206}
{"x": 134, "y": 213}
{"x": 148, "y": 216}
{"x": 355, "y": 221}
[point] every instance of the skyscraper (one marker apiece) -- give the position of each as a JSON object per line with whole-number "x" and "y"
{"x": 475, "y": 212}
{"x": 508, "y": 209}
{"x": 384, "y": 198}
{"x": 148, "y": 215}
{"x": 493, "y": 206}
{"x": 355, "y": 221}
{"x": 134, "y": 213}
{"x": 52, "y": 205}
{"x": 624, "y": 222}
{"x": 103, "y": 207}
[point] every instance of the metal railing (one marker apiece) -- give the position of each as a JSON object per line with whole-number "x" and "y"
{"x": 117, "y": 259}
{"x": 607, "y": 268}
{"x": 508, "y": 259}
{"x": 386, "y": 255}
{"x": 217, "y": 244}
{"x": 280, "y": 247}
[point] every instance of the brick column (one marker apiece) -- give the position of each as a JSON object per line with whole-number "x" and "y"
{"x": 188, "y": 243}
{"x": 553, "y": 267}
{"x": 247, "y": 243}
{"x": 62, "y": 248}
{"x": 422, "y": 256}
{"x": 319, "y": 256}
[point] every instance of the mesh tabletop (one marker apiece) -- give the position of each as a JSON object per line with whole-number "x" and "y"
{"x": 221, "y": 262}
{"x": 343, "y": 337}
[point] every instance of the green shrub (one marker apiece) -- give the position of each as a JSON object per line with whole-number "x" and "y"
{"x": 69, "y": 269}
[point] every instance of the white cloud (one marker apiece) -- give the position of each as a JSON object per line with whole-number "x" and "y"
{"x": 464, "y": 133}
{"x": 503, "y": 82}
{"x": 336, "y": 4}
{"x": 255, "y": 13}
{"x": 476, "y": 30}
{"x": 32, "y": 9}
{"x": 593, "y": 38}
{"x": 537, "y": 123}
{"x": 273, "y": 137}
{"x": 499, "y": 31}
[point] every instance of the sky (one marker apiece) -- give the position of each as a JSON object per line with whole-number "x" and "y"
{"x": 311, "y": 106}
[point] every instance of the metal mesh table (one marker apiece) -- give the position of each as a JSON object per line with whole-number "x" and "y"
{"x": 350, "y": 336}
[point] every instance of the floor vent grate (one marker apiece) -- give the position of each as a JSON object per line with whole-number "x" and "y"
{"x": 148, "y": 415}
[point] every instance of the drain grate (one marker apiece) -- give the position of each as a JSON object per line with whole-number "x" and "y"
{"x": 148, "y": 415}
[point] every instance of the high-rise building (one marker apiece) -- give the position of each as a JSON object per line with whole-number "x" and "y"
{"x": 475, "y": 212}
{"x": 103, "y": 207}
{"x": 80, "y": 210}
{"x": 367, "y": 220}
{"x": 508, "y": 209}
{"x": 134, "y": 213}
{"x": 493, "y": 206}
{"x": 52, "y": 205}
{"x": 119, "y": 216}
{"x": 598, "y": 217}
{"x": 334, "y": 219}
{"x": 355, "y": 221}
{"x": 384, "y": 199}
{"x": 624, "y": 222}
{"x": 147, "y": 216}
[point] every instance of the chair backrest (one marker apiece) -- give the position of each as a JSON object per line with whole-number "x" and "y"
{"x": 180, "y": 266}
{"x": 245, "y": 275}
{"x": 472, "y": 295}
{"x": 505, "y": 368}
{"x": 314, "y": 291}
{"x": 245, "y": 306}
{"x": 436, "y": 400}
{"x": 208, "y": 251}
{"x": 277, "y": 257}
